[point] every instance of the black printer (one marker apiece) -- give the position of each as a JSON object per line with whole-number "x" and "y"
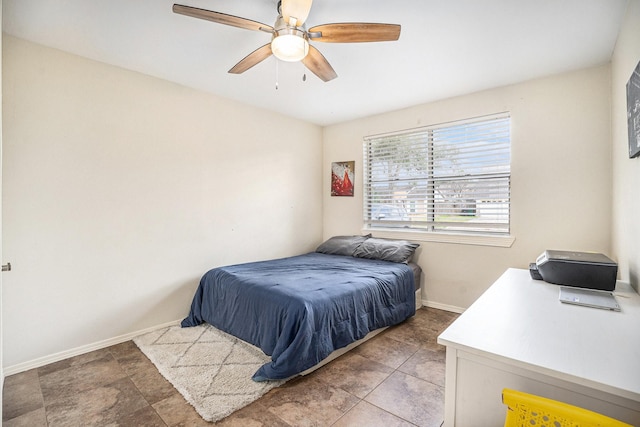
{"x": 578, "y": 269}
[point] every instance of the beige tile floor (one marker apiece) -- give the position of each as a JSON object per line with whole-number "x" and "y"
{"x": 395, "y": 379}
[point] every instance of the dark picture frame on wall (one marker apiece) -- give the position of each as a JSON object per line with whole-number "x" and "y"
{"x": 633, "y": 112}
{"x": 342, "y": 178}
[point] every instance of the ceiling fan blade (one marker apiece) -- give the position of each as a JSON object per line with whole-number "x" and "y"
{"x": 318, "y": 64}
{"x": 221, "y": 18}
{"x": 355, "y": 32}
{"x": 255, "y": 57}
{"x": 298, "y": 9}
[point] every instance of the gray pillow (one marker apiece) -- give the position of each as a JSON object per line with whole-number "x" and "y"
{"x": 341, "y": 245}
{"x": 386, "y": 250}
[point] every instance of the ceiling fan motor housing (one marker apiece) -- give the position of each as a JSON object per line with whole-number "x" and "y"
{"x": 289, "y": 43}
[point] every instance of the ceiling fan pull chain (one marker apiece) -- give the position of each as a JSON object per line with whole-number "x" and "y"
{"x": 276, "y": 74}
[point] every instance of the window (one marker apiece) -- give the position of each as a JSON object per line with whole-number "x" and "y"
{"x": 451, "y": 178}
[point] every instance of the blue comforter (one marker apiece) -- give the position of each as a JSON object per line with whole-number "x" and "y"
{"x": 300, "y": 309}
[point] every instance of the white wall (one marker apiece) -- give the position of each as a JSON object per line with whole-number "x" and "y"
{"x": 121, "y": 190}
{"x": 561, "y": 177}
{"x": 626, "y": 172}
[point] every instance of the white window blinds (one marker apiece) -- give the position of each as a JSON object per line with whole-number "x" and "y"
{"x": 453, "y": 177}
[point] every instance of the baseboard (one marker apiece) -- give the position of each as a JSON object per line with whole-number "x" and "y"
{"x": 445, "y": 307}
{"x": 42, "y": 361}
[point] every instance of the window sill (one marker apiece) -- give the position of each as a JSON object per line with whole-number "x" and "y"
{"x": 455, "y": 238}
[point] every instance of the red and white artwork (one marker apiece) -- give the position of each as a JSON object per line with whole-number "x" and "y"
{"x": 342, "y": 178}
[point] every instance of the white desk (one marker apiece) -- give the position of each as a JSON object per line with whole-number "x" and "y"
{"x": 519, "y": 335}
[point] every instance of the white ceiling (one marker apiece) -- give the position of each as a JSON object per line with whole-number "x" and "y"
{"x": 446, "y": 47}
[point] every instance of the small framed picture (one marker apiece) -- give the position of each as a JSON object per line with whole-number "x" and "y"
{"x": 633, "y": 112}
{"x": 342, "y": 178}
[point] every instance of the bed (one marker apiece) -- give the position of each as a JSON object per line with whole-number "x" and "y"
{"x": 301, "y": 309}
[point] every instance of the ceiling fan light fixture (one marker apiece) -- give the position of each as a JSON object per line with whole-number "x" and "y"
{"x": 290, "y": 44}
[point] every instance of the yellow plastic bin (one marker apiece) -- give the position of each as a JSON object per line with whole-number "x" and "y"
{"x": 527, "y": 410}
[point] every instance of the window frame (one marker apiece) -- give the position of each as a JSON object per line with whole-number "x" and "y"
{"x": 430, "y": 233}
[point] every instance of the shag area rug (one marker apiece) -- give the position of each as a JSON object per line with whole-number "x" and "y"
{"x": 210, "y": 368}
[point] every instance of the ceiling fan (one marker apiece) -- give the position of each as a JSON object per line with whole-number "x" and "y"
{"x": 290, "y": 39}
